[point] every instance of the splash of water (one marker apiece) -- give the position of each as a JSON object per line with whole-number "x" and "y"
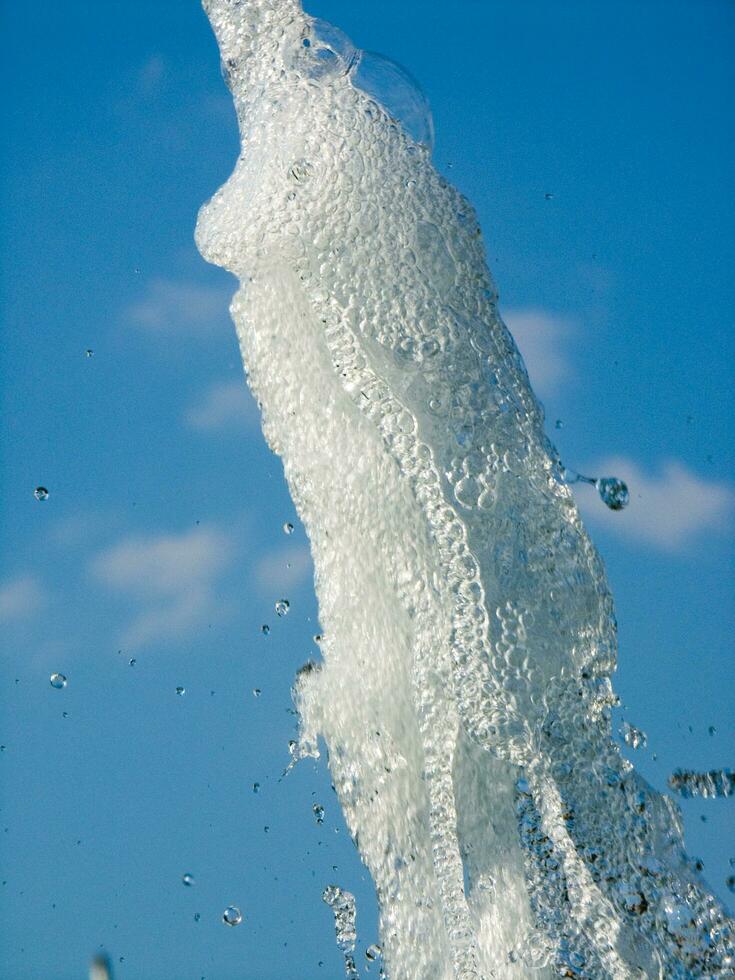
{"x": 469, "y": 640}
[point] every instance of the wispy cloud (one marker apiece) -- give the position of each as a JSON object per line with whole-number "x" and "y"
{"x": 667, "y": 509}
{"x": 542, "y": 339}
{"x": 19, "y": 597}
{"x": 173, "y": 576}
{"x": 171, "y": 305}
{"x": 223, "y": 406}
{"x": 283, "y": 568}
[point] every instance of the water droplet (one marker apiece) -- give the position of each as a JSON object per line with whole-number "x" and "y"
{"x": 318, "y": 811}
{"x": 197, "y": 916}
{"x": 256, "y": 692}
{"x": 132, "y": 661}
{"x": 373, "y": 952}
{"x": 58, "y": 681}
{"x": 265, "y": 629}
{"x": 730, "y": 882}
{"x": 548, "y": 196}
{"x": 181, "y": 691}
{"x": 40, "y": 493}
{"x": 288, "y": 528}
{"x": 89, "y": 352}
{"x": 613, "y": 492}
{"x": 282, "y": 607}
{"x": 559, "y": 424}
{"x": 633, "y": 736}
{"x": 188, "y": 879}
{"x": 712, "y": 730}
{"x": 232, "y": 916}
{"x": 256, "y": 787}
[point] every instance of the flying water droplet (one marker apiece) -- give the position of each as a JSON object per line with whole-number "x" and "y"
{"x": 57, "y": 681}
{"x": 256, "y": 692}
{"x": 197, "y": 916}
{"x": 265, "y": 629}
{"x": 132, "y": 661}
{"x": 282, "y": 607}
{"x": 633, "y": 736}
{"x": 188, "y": 879}
{"x": 89, "y": 352}
{"x": 181, "y": 691}
{"x": 373, "y": 952}
{"x": 559, "y": 424}
{"x": 613, "y": 492}
{"x": 232, "y": 916}
{"x": 256, "y": 787}
{"x": 40, "y": 493}
{"x": 342, "y": 904}
{"x": 318, "y": 811}
{"x": 730, "y": 882}
{"x": 288, "y": 528}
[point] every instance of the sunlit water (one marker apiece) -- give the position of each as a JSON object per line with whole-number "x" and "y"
{"x": 469, "y": 637}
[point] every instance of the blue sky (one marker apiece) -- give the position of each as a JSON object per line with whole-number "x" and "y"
{"x": 162, "y": 539}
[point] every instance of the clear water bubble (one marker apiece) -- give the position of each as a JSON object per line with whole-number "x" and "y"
{"x": 57, "y": 681}
{"x": 318, "y": 811}
{"x": 232, "y": 916}
{"x": 398, "y": 92}
{"x": 300, "y": 171}
{"x": 613, "y": 492}
{"x": 40, "y": 493}
{"x": 188, "y": 879}
{"x": 181, "y": 691}
{"x": 288, "y": 528}
{"x": 282, "y": 607}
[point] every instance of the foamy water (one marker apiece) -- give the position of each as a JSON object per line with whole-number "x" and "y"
{"x": 469, "y": 637}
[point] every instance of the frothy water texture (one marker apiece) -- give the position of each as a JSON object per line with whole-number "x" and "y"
{"x": 464, "y": 693}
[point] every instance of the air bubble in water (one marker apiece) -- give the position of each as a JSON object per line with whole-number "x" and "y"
{"x": 181, "y": 691}
{"x": 613, "y": 492}
{"x": 288, "y": 528}
{"x": 40, "y": 493}
{"x": 232, "y": 916}
{"x": 188, "y": 879}
{"x": 300, "y": 171}
{"x": 400, "y": 94}
{"x": 282, "y": 607}
{"x": 318, "y": 811}
{"x": 57, "y": 681}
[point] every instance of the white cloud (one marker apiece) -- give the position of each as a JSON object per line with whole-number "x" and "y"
{"x": 20, "y": 597}
{"x": 224, "y": 405}
{"x": 171, "y": 305}
{"x": 541, "y": 338}
{"x": 666, "y": 510}
{"x": 284, "y": 568}
{"x": 173, "y": 575}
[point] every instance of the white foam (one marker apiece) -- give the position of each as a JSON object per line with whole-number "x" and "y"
{"x": 469, "y": 639}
